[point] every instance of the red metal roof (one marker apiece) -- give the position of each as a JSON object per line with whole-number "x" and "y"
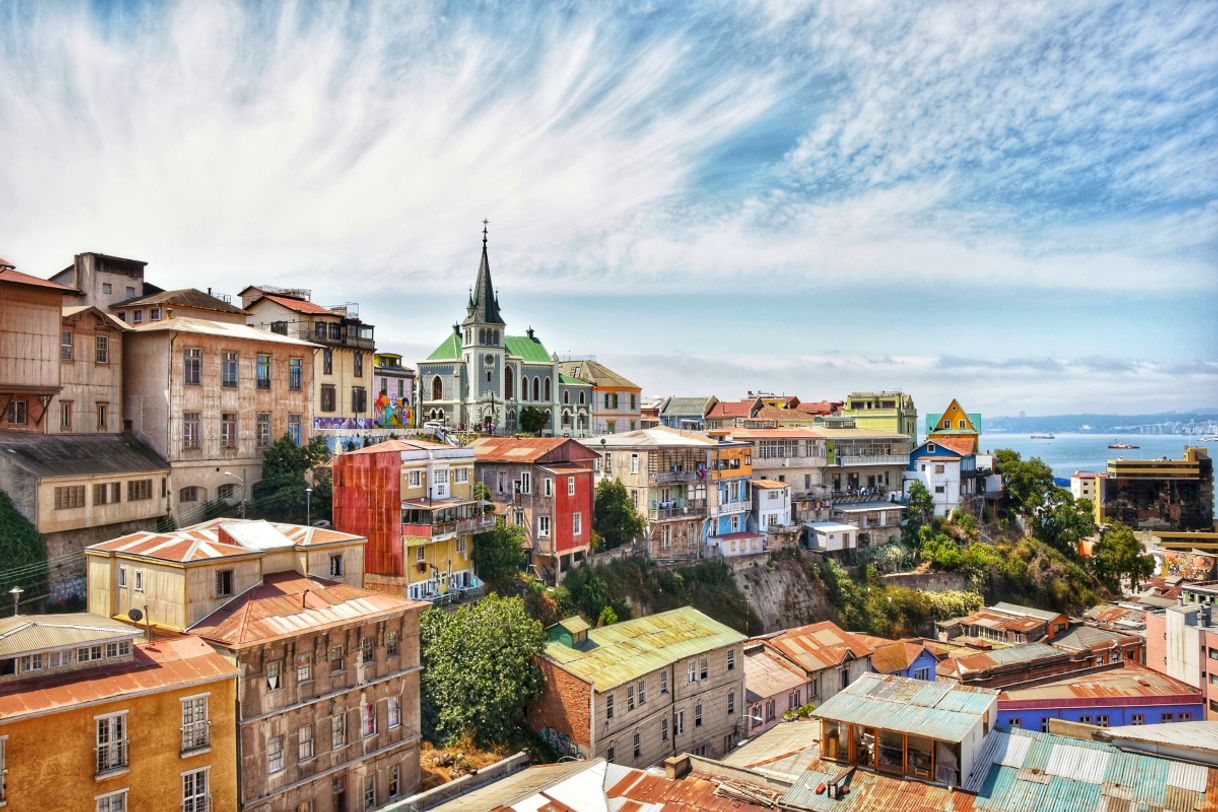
{"x": 818, "y": 645}
{"x": 739, "y": 408}
{"x": 528, "y": 450}
{"x": 397, "y": 446}
{"x": 287, "y": 604}
{"x": 961, "y": 445}
{"x": 163, "y": 664}
{"x": 11, "y": 275}
{"x": 217, "y": 538}
{"x": 299, "y": 305}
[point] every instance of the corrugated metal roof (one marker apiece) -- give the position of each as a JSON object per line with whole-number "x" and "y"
{"x": 1129, "y": 681}
{"x": 946, "y": 712}
{"x": 28, "y": 633}
{"x": 766, "y": 674}
{"x": 818, "y": 645}
{"x": 222, "y": 538}
{"x": 627, "y": 650}
{"x": 66, "y": 455}
{"x": 223, "y": 329}
{"x": 658, "y": 437}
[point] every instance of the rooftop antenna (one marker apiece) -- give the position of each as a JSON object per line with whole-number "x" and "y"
{"x": 16, "y": 593}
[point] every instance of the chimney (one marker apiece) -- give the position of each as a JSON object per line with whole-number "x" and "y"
{"x": 304, "y": 599}
{"x": 676, "y": 766}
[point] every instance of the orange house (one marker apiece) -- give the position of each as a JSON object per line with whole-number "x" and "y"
{"x": 954, "y": 422}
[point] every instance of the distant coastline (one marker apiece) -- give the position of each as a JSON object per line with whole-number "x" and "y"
{"x": 1197, "y": 421}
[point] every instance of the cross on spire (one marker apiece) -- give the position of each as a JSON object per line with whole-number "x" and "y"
{"x": 485, "y": 223}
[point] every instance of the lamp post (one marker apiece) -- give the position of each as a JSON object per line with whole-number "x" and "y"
{"x": 16, "y": 593}
{"x": 309, "y": 506}
{"x": 243, "y": 490}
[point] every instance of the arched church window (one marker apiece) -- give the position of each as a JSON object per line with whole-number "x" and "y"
{"x": 536, "y": 388}
{"x": 566, "y": 396}
{"x": 437, "y": 388}
{"x": 524, "y": 387}
{"x": 581, "y": 397}
{"x": 508, "y": 383}
{"x": 548, "y": 391}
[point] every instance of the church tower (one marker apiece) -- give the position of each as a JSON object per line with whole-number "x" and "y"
{"x": 483, "y": 348}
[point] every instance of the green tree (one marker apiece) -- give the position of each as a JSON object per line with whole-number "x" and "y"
{"x": 608, "y": 617}
{"x": 920, "y": 507}
{"x": 1060, "y": 520}
{"x": 479, "y": 673}
{"x": 23, "y": 551}
{"x": 613, "y": 515}
{"x": 532, "y": 420}
{"x": 499, "y": 555}
{"x": 280, "y": 496}
{"x": 483, "y": 494}
{"x": 1027, "y": 482}
{"x": 1119, "y": 554}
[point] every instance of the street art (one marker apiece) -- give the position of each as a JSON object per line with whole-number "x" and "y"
{"x": 560, "y": 742}
{"x": 391, "y": 413}
{"x": 1192, "y": 566}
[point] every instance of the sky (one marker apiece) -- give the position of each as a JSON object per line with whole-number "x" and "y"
{"x": 1014, "y": 204}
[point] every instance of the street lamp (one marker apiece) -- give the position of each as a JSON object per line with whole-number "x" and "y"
{"x": 308, "y": 506}
{"x": 16, "y": 593}
{"x": 243, "y": 490}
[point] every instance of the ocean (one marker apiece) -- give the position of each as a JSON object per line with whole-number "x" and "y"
{"x": 1067, "y": 453}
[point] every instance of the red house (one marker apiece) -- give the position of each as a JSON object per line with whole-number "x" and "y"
{"x": 545, "y": 486}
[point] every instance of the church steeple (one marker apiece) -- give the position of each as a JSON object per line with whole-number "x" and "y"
{"x": 484, "y": 305}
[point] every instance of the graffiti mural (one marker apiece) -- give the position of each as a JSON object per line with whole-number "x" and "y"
{"x": 561, "y": 743}
{"x": 391, "y": 413}
{"x": 1193, "y": 566}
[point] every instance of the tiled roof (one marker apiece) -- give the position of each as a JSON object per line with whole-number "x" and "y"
{"x": 818, "y": 645}
{"x": 288, "y": 603}
{"x": 221, "y": 538}
{"x": 627, "y": 650}
{"x": 960, "y": 445}
{"x": 163, "y": 664}
{"x": 80, "y": 455}
{"x": 943, "y": 711}
{"x": 299, "y": 305}
{"x": 889, "y": 656}
{"x": 185, "y": 297}
{"x": 26, "y": 633}
{"x": 528, "y": 349}
{"x": 11, "y": 275}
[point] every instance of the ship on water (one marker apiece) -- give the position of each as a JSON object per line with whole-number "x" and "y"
{"x": 1043, "y": 437}
{"x": 1115, "y": 444}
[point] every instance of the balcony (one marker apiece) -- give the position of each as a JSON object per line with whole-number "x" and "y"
{"x": 196, "y": 737}
{"x": 676, "y": 509}
{"x": 665, "y": 477}
{"x": 731, "y": 507}
{"x": 110, "y": 758}
{"x": 873, "y": 459}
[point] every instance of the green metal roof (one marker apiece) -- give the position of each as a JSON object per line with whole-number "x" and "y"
{"x": 569, "y": 381}
{"x": 625, "y": 651}
{"x": 450, "y": 350}
{"x": 530, "y": 350}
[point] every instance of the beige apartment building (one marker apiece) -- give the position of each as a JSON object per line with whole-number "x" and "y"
{"x": 639, "y": 691}
{"x": 90, "y": 400}
{"x": 328, "y": 672}
{"x": 343, "y": 367}
{"x": 211, "y": 397}
{"x": 616, "y": 401}
{"x": 103, "y": 280}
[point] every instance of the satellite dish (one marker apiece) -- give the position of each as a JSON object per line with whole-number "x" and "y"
{"x": 135, "y": 614}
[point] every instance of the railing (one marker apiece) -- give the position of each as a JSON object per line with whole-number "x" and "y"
{"x": 196, "y": 736}
{"x": 199, "y": 803}
{"x": 111, "y": 757}
{"x": 672, "y": 476}
{"x": 730, "y": 507}
{"x": 678, "y": 509}
{"x": 872, "y": 459}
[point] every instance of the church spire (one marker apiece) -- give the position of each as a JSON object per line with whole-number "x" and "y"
{"x": 484, "y": 306}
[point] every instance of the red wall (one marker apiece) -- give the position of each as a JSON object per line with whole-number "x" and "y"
{"x": 566, "y": 506}
{"x": 368, "y": 502}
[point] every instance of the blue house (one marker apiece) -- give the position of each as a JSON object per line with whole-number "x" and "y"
{"x": 948, "y": 469}
{"x": 902, "y": 658}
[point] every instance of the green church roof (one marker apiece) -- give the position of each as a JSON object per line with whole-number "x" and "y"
{"x": 528, "y": 349}
{"x": 569, "y": 381}
{"x": 450, "y": 350}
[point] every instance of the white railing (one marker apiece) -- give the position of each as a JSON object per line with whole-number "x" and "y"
{"x": 873, "y": 459}
{"x": 111, "y": 757}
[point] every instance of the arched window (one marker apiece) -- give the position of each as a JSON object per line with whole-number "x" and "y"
{"x": 495, "y": 337}
{"x": 437, "y": 388}
{"x": 549, "y": 396}
{"x": 508, "y": 383}
{"x": 566, "y": 417}
{"x": 524, "y": 387}
{"x": 536, "y": 388}
{"x": 469, "y": 334}
{"x": 581, "y": 397}
{"x": 566, "y": 396}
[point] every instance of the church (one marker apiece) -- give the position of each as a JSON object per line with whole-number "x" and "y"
{"x": 482, "y": 379}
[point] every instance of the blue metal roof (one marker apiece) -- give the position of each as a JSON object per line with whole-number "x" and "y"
{"x": 943, "y": 711}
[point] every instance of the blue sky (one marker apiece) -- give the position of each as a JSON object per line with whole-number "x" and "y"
{"x": 1015, "y": 203}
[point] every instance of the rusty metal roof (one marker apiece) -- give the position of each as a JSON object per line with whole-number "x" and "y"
{"x": 767, "y": 673}
{"x": 1131, "y": 681}
{"x": 80, "y": 455}
{"x": 818, "y": 645}
{"x": 222, "y": 538}
{"x": 943, "y": 711}
{"x": 627, "y": 650}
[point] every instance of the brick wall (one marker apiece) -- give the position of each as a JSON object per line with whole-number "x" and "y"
{"x": 563, "y": 713}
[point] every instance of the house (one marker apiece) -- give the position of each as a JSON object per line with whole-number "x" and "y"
{"x": 730, "y": 501}
{"x": 1006, "y": 623}
{"x": 955, "y": 423}
{"x": 668, "y": 475}
{"x": 831, "y": 658}
{"x": 616, "y": 401}
{"x": 1084, "y": 484}
{"x": 1159, "y": 494}
{"x": 1127, "y": 694}
{"x": 166, "y": 304}
{"x": 877, "y": 522}
{"x": 1001, "y": 667}
{"x": 1179, "y": 642}
{"x": 102, "y": 280}
{"x": 948, "y": 471}
{"x": 884, "y": 411}
{"x": 393, "y": 387}
{"x": 210, "y": 397}
{"x": 831, "y": 537}
{"x": 94, "y": 716}
{"x": 1102, "y": 645}
{"x": 772, "y": 514}
{"x": 328, "y": 672}
{"x": 641, "y": 690}
{"x": 545, "y": 487}
{"x": 685, "y": 414}
{"x": 342, "y": 391}
{"x": 414, "y": 502}
{"x": 904, "y": 658}
{"x": 90, "y": 400}
{"x": 773, "y": 685}
{"x": 757, "y": 412}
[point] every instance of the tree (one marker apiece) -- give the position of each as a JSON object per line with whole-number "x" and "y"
{"x": 920, "y": 511}
{"x": 483, "y": 494}
{"x": 499, "y": 555}
{"x": 479, "y": 674}
{"x": 532, "y": 420}
{"x": 1027, "y": 482}
{"x": 1119, "y": 554}
{"x": 614, "y": 518}
{"x": 23, "y": 551}
{"x": 280, "y": 496}
{"x": 1060, "y": 520}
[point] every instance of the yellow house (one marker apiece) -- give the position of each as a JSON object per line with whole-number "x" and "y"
{"x": 94, "y": 717}
{"x": 954, "y": 422}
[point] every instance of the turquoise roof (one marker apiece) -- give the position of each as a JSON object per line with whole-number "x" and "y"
{"x": 450, "y": 350}
{"x": 569, "y": 381}
{"x": 530, "y": 350}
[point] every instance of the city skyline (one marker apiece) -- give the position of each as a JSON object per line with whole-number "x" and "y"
{"x": 1013, "y": 206}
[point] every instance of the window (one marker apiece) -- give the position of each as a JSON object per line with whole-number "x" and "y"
{"x": 731, "y": 659}
{"x": 461, "y": 475}
{"x": 367, "y": 720}
{"x": 845, "y": 678}
{"x": 793, "y": 699}
{"x": 65, "y": 346}
{"x": 101, "y": 349}
{"x": 228, "y": 368}
{"x": 663, "y": 728}
{"x": 336, "y": 565}
{"x": 369, "y": 791}
{"x": 634, "y": 463}
{"x": 112, "y": 801}
{"x": 391, "y": 644}
{"x": 295, "y": 374}
{"x": 938, "y": 468}
{"x": 195, "y": 725}
{"x": 274, "y": 677}
{"x": 570, "y": 486}
{"x": 395, "y": 781}
{"x": 111, "y": 743}
{"x": 226, "y": 491}
{"x": 526, "y": 482}
{"x": 366, "y": 650}
{"x": 190, "y": 430}
{"x": 1167, "y": 717}
{"x": 338, "y": 731}
{"x": 577, "y": 524}
{"x": 327, "y": 397}
{"x": 638, "y": 750}
{"x": 274, "y": 754}
{"x": 731, "y": 703}
{"x": 107, "y": 493}
{"x": 693, "y": 672}
{"x": 1101, "y": 719}
{"x": 543, "y": 526}
{"x": 548, "y": 489}
{"x": 1138, "y": 719}
{"x": 1044, "y": 724}
{"x": 31, "y": 662}
{"x": 327, "y": 355}
{"x": 122, "y": 576}
{"x": 698, "y": 714}
{"x": 224, "y": 583}
{"x": 139, "y": 316}
{"x": 103, "y": 416}
{"x": 192, "y": 366}
{"x": 609, "y": 706}
{"x": 228, "y": 430}
{"x": 69, "y": 496}
{"x": 629, "y": 697}
{"x": 420, "y": 554}
{"x": 264, "y": 370}
{"x": 130, "y": 291}
{"x": 642, "y": 692}
{"x": 188, "y": 494}
{"x": 395, "y": 712}
{"x": 262, "y": 424}
{"x": 336, "y": 659}
{"x": 415, "y": 480}
{"x": 1185, "y": 716}
{"x": 304, "y": 743}
{"x": 65, "y": 414}
{"x": 139, "y": 490}
{"x": 17, "y": 413}
{"x": 678, "y": 723}
{"x": 294, "y": 428}
{"x": 611, "y": 753}
{"x": 705, "y": 669}
{"x": 770, "y": 710}
{"x": 1015, "y": 722}
{"x": 154, "y": 314}
{"x": 359, "y": 399}
{"x": 461, "y": 545}
{"x": 663, "y": 682}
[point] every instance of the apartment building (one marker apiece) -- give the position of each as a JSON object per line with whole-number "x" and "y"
{"x": 830, "y": 657}
{"x": 730, "y": 504}
{"x": 639, "y": 691}
{"x": 31, "y": 314}
{"x": 1159, "y": 494}
{"x": 328, "y": 672}
{"x": 342, "y": 370}
{"x": 1182, "y": 642}
{"x": 102, "y": 280}
{"x": 615, "y": 400}
{"x": 667, "y": 474}
{"x": 1007, "y": 623}
{"x": 210, "y": 397}
{"x": 185, "y": 302}
{"x": 414, "y": 502}
{"x": 93, "y": 716}
{"x": 890, "y": 411}
{"x": 545, "y": 487}
{"x": 90, "y": 400}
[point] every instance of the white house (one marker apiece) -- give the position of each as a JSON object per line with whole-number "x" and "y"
{"x": 831, "y": 537}
{"x": 948, "y": 472}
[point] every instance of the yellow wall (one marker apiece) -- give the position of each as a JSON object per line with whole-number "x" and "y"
{"x": 51, "y": 764}
{"x": 438, "y": 553}
{"x": 954, "y": 414}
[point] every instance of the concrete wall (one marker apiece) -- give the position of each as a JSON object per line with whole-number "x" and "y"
{"x": 927, "y": 581}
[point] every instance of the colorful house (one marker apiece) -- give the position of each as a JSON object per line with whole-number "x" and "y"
{"x": 947, "y": 467}
{"x": 954, "y": 422}
{"x": 393, "y": 388}
{"x": 904, "y": 658}
{"x": 883, "y": 411}
{"x": 731, "y": 501}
